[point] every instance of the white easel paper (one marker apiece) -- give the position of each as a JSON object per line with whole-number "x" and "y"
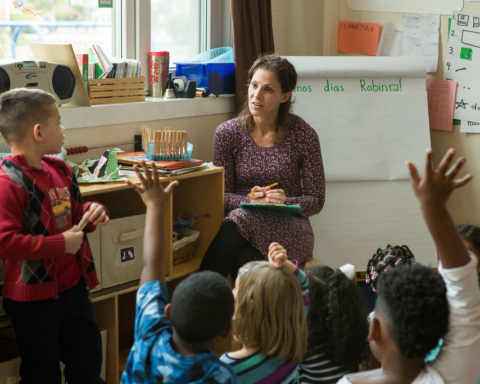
{"x": 442, "y": 7}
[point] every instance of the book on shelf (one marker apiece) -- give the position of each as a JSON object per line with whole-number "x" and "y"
{"x": 82, "y": 61}
{"x": 103, "y": 61}
{"x": 137, "y": 157}
{"x": 93, "y": 71}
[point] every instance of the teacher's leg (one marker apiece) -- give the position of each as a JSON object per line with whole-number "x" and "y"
{"x": 247, "y": 254}
{"x": 223, "y": 250}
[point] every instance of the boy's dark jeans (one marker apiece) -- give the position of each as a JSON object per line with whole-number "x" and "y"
{"x": 49, "y": 331}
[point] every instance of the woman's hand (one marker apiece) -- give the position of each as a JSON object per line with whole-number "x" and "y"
{"x": 276, "y": 196}
{"x": 267, "y": 195}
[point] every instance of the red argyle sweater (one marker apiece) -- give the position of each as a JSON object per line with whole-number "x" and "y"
{"x": 36, "y": 206}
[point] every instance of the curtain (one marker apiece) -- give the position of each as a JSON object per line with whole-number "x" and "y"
{"x": 252, "y": 35}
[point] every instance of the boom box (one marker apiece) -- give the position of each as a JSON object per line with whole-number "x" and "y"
{"x": 58, "y": 79}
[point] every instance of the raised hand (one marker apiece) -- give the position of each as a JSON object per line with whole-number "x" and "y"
{"x": 437, "y": 184}
{"x": 277, "y": 255}
{"x": 151, "y": 190}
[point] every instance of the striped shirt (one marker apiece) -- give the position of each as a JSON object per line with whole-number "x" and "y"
{"x": 316, "y": 368}
{"x": 261, "y": 369}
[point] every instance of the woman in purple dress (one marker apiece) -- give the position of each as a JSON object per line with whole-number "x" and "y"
{"x": 267, "y": 144}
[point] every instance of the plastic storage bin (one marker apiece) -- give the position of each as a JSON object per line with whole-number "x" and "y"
{"x": 217, "y": 78}
{"x": 122, "y": 246}
{"x": 213, "y": 69}
{"x": 94, "y": 241}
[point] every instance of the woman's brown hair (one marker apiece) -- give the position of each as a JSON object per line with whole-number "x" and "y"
{"x": 269, "y": 312}
{"x": 287, "y": 77}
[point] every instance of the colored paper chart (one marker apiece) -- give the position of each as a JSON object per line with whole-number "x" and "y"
{"x": 462, "y": 64}
{"x": 361, "y": 38}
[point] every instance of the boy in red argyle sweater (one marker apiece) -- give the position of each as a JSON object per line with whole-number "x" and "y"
{"x": 48, "y": 262}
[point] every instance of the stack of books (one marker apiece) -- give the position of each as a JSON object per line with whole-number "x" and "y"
{"x": 95, "y": 64}
{"x": 174, "y": 167}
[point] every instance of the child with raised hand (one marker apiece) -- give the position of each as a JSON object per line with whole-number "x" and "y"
{"x": 172, "y": 341}
{"x": 271, "y": 304}
{"x": 337, "y": 326}
{"x": 415, "y": 307}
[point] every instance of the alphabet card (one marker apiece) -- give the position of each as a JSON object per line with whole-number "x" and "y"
{"x": 462, "y": 64}
{"x": 361, "y": 38}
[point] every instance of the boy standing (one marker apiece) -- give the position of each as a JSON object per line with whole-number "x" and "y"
{"x": 172, "y": 341}
{"x": 48, "y": 262}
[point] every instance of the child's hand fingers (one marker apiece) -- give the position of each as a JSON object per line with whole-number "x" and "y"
{"x": 445, "y": 162}
{"x": 428, "y": 163}
{"x": 171, "y": 187}
{"x": 135, "y": 187}
{"x": 139, "y": 175}
{"x": 106, "y": 220}
{"x": 156, "y": 177}
{"x": 148, "y": 175}
{"x": 413, "y": 173}
{"x": 455, "y": 168}
{"x": 461, "y": 182}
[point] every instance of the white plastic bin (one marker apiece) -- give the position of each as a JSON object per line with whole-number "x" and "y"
{"x": 122, "y": 246}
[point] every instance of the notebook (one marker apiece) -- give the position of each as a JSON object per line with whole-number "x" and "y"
{"x": 292, "y": 209}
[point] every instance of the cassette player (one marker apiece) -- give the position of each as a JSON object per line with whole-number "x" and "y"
{"x": 58, "y": 79}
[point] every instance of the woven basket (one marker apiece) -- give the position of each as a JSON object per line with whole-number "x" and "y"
{"x": 183, "y": 249}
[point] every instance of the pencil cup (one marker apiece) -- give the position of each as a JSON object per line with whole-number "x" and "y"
{"x": 158, "y": 66}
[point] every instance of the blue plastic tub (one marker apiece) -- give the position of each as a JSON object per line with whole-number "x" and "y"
{"x": 217, "y": 78}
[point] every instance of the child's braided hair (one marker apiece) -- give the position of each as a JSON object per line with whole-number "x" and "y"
{"x": 386, "y": 259}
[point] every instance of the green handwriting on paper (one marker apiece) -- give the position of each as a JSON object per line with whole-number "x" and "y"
{"x": 372, "y": 87}
{"x": 330, "y": 87}
{"x": 305, "y": 88}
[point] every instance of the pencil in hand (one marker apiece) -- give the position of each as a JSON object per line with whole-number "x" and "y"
{"x": 270, "y": 186}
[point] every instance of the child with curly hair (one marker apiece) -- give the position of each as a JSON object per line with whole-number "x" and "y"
{"x": 416, "y": 307}
{"x": 386, "y": 259}
{"x": 271, "y": 301}
{"x": 337, "y": 326}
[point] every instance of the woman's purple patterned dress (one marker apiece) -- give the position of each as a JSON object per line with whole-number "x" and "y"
{"x": 295, "y": 164}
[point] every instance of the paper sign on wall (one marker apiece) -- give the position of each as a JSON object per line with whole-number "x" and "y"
{"x": 421, "y": 38}
{"x": 361, "y": 38}
{"x": 391, "y": 41}
{"x": 462, "y": 64}
{"x": 442, "y": 7}
{"x": 441, "y": 103}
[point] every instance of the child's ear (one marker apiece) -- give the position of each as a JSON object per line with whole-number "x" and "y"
{"x": 375, "y": 330}
{"x": 227, "y": 330}
{"x": 37, "y": 132}
{"x": 167, "y": 311}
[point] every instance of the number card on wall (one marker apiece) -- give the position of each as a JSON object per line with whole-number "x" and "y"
{"x": 462, "y": 64}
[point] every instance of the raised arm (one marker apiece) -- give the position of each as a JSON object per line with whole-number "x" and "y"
{"x": 313, "y": 177}
{"x": 223, "y": 156}
{"x": 432, "y": 191}
{"x": 155, "y": 199}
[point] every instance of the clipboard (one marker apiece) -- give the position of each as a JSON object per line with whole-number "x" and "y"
{"x": 291, "y": 209}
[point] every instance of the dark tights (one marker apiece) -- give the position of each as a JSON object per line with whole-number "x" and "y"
{"x": 228, "y": 252}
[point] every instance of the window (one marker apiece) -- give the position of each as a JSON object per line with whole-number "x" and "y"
{"x": 79, "y": 22}
{"x": 176, "y": 28}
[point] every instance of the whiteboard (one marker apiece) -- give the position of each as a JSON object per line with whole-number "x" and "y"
{"x": 371, "y": 115}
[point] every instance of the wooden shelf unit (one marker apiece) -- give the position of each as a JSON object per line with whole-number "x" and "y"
{"x": 200, "y": 193}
